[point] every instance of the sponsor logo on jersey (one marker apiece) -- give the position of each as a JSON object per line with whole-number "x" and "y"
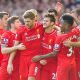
{"x": 47, "y": 46}
{"x": 33, "y": 37}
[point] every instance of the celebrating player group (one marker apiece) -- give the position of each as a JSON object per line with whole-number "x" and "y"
{"x": 40, "y": 50}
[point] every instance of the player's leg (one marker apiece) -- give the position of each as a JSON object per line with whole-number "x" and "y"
{"x": 78, "y": 68}
{"x": 49, "y": 71}
{"x": 62, "y": 71}
{"x": 33, "y": 70}
{"x": 45, "y": 74}
{"x": 15, "y": 75}
{"x": 53, "y": 73}
{"x": 73, "y": 72}
{"x": 23, "y": 69}
{"x": 23, "y": 77}
{"x": 38, "y": 75}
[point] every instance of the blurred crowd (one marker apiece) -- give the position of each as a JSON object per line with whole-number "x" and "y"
{"x": 18, "y": 7}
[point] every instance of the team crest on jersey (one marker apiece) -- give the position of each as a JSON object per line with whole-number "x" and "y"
{"x": 38, "y": 35}
{"x": 37, "y": 30}
{"x": 50, "y": 41}
{"x": 56, "y": 46}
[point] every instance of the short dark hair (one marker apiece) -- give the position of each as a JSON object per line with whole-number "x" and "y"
{"x": 52, "y": 18}
{"x": 2, "y": 14}
{"x": 12, "y": 19}
{"x": 68, "y": 19}
{"x": 29, "y": 15}
{"x": 53, "y": 10}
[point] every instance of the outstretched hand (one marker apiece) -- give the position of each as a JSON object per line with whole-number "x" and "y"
{"x": 43, "y": 62}
{"x": 59, "y": 7}
{"x": 21, "y": 47}
{"x": 67, "y": 43}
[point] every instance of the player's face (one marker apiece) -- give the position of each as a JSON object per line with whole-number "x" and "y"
{"x": 30, "y": 23}
{"x": 46, "y": 22}
{"x": 63, "y": 26}
{"x": 4, "y": 20}
{"x": 17, "y": 23}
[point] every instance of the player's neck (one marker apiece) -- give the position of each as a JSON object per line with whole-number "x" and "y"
{"x": 49, "y": 29}
{"x": 13, "y": 30}
{"x": 66, "y": 31}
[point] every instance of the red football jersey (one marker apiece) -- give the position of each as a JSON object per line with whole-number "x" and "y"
{"x": 31, "y": 38}
{"x": 47, "y": 47}
{"x": 48, "y": 43}
{"x": 1, "y": 56}
{"x": 66, "y": 52}
{"x": 63, "y": 50}
{"x": 7, "y": 40}
{"x": 77, "y": 49}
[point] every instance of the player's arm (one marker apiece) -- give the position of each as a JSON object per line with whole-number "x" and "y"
{"x": 13, "y": 52}
{"x": 56, "y": 49}
{"x": 57, "y": 28}
{"x": 18, "y": 38}
{"x": 59, "y": 7}
{"x": 11, "y": 57}
{"x": 8, "y": 50}
{"x": 5, "y": 41}
{"x": 75, "y": 44}
{"x": 19, "y": 47}
{"x": 70, "y": 43}
{"x": 52, "y": 54}
{"x": 39, "y": 57}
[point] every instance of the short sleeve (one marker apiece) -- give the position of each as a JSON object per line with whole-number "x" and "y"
{"x": 18, "y": 36}
{"x": 5, "y": 40}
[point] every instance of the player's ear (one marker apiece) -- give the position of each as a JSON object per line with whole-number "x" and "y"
{"x": 12, "y": 24}
{"x": 0, "y": 20}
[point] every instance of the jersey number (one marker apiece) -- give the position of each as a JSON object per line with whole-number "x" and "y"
{"x": 70, "y": 52}
{"x": 53, "y": 76}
